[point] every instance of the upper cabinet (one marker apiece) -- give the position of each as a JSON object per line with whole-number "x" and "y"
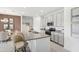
{"x": 57, "y": 18}
{"x": 60, "y": 19}
{"x": 54, "y": 19}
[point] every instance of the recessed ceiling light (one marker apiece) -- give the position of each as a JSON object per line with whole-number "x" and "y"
{"x": 41, "y": 11}
{"x": 24, "y": 7}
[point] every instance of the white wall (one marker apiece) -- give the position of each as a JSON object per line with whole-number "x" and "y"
{"x": 37, "y": 23}
{"x": 27, "y": 19}
{"x": 8, "y": 11}
{"x": 70, "y": 43}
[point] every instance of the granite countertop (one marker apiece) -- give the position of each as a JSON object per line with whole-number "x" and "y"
{"x": 8, "y": 39}
{"x": 35, "y": 36}
{"x": 31, "y": 36}
{"x": 57, "y": 31}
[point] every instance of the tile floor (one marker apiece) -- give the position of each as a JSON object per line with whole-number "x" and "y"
{"x": 56, "y": 48}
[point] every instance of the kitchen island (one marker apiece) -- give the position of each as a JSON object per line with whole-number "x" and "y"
{"x": 38, "y": 42}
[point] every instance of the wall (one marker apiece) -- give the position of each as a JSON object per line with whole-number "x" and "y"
{"x": 37, "y": 23}
{"x": 16, "y": 21}
{"x": 70, "y": 43}
{"x": 8, "y": 11}
{"x": 27, "y": 19}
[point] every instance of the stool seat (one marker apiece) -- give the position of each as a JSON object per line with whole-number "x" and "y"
{"x": 19, "y": 44}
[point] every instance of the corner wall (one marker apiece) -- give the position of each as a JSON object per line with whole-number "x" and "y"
{"x": 70, "y": 43}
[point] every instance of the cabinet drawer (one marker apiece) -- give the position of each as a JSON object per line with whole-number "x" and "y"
{"x": 56, "y": 37}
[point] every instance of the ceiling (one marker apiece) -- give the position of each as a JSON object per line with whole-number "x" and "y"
{"x": 30, "y": 11}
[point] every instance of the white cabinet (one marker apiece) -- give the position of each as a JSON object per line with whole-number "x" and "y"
{"x": 32, "y": 45}
{"x": 61, "y": 39}
{"x": 40, "y": 45}
{"x": 60, "y": 19}
{"x": 52, "y": 36}
{"x": 57, "y": 18}
{"x": 58, "y": 38}
{"x": 43, "y": 45}
{"x": 54, "y": 19}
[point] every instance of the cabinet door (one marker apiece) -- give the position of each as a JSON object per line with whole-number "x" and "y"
{"x": 60, "y": 19}
{"x": 32, "y": 45}
{"x": 43, "y": 45}
{"x": 43, "y": 21}
{"x": 56, "y": 37}
{"x": 54, "y": 19}
{"x": 61, "y": 39}
{"x": 52, "y": 36}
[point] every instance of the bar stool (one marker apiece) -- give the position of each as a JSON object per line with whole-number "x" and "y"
{"x": 20, "y": 44}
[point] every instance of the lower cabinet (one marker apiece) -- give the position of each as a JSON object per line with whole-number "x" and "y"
{"x": 58, "y": 38}
{"x": 43, "y": 45}
{"x": 40, "y": 45}
{"x": 61, "y": 39}
{"x": 32, "y": 45}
